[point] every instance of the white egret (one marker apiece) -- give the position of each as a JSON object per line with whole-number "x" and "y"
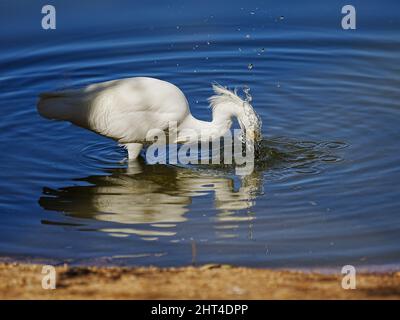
{"x": 126, "y": 109}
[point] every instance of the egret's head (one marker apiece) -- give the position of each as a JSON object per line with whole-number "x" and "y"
{"x": 228, "y": 103}
{"x": 250, "y": 122}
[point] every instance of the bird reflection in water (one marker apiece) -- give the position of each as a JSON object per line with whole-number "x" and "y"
{"x": 150, "y": 200}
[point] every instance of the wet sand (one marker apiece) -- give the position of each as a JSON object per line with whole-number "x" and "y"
{"x": 23, "y": 281}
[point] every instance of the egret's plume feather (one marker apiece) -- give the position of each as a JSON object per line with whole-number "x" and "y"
{"x": 224, "y": 95}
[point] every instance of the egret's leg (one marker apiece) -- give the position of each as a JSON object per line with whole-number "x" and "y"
{"x": 135, "y": 166}
{"x": 133, "y": 150}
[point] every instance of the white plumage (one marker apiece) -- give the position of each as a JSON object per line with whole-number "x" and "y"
{"x": 126, "y": 109}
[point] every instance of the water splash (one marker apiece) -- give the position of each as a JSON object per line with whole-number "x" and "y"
{"x": 282, "y": 157}
{"x": 253, "y": 118}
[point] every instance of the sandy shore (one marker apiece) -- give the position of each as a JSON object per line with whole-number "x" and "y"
{"x": 23, "y": 281}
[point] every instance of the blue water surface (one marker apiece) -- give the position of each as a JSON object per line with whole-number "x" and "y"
{"x": 325, "y": 191}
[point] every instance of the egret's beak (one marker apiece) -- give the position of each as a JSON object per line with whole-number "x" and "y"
{"x": 251, "y": 135}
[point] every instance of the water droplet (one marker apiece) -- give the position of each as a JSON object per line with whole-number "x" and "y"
{"x": 247, "y": 36}
{"x": 281, "y": 18}
{"x": 246, "y": 91}
{"x": 250, "y": 66}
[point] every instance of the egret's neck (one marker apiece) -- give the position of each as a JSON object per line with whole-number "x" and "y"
{"x": 219, "y": 125}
